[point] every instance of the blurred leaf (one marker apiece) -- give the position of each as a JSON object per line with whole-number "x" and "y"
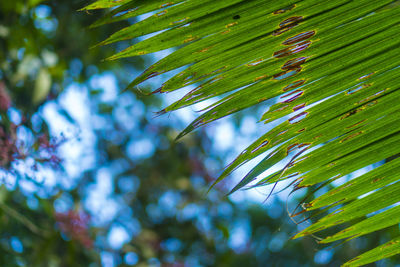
{"x": 33, "y": 3}
{"x": 42, "y": 86}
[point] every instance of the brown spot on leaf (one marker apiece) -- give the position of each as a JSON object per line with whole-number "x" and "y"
{"x": 351, "y": 136}
{"x": 189, "y": 39}
{"x": 294, "y": 85}
{"x": 283, "y": 132}
{"x": 294, "y": 63}
{"x": 355, "y": 124}
{"x": 299, "y": 37}
{"x": 298, "y": 117}
{"x": 377, "y": 180}
{"x": 159, "y": 14}
{"x": 281, "y": 108}
{"x": 231, "y": 24}
{"x": 263, "y": 144}
{"x": 295, "y": 94}
{"x": 166, "y": 4}
{"x": 204, "y": 49}
{"x": 300, "y": 106}
{"x": 286, "y": 74}
{"x": 366, "y": 76}
{"x": 260, "y": 77}
{"x": 287, "y": 24}
{"x": 290, "y": 21}
{"x": 291, "y": 148}
{"x": 293, "y": 49}
{"x": 255, "y": 63}
{"x": 283, "y": 10}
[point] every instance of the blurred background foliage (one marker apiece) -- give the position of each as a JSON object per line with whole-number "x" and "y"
{"x": 90, "y": 177}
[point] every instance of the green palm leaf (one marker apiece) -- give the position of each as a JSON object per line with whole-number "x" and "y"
{"x": 332, "y": 68}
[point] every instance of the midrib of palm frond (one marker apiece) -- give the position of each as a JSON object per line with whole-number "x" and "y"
{"x": 332, "y": 67}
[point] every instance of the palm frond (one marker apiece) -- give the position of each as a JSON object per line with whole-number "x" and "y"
{"x": 332, "y": 69}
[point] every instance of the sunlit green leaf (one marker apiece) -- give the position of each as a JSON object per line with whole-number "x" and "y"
{"x": 330, "y": 70}
{"x": 42, "y": 86}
